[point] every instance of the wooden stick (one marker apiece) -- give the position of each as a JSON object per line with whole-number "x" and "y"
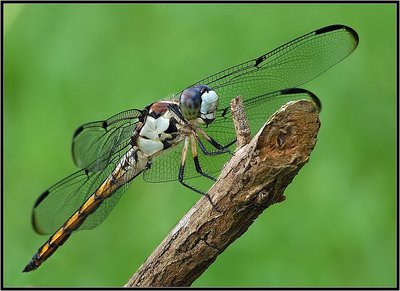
{"x": 254, "y": 179}
{"x": 242, "y": 127}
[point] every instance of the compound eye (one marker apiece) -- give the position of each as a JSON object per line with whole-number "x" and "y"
{"x": 190, "y": 102}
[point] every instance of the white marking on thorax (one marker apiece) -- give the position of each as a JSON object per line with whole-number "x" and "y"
{"x": 149, "y": 146}
{"x": 153, "y": 127}
{"x": 153, "y": 133}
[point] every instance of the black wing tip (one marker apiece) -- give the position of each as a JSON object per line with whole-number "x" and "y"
{"x": 353, "y": 33}
{"x": 40, "y": 198}
{"x": 314, "y": 97}
{"x": 294, "y": 91}
{"x": 78, "y": 131}
{"x": 338, "y": 27}
{"x": 316, "y": 100}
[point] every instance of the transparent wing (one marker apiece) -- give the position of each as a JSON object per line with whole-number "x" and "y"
{"x": 258, "y": 110}
{"x": 101, "y": 139}
{"x": 165, "y": 167}
{"x": 60, "y": 201}
{"x": 288, "y": 66}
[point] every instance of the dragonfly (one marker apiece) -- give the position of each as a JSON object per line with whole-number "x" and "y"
{"x": 159, "y": 139}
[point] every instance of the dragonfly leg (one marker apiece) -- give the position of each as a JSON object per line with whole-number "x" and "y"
{"x": 230, "y": 143}
{"x": 182, "y": 171}
{"x": 196, "y": 160}
{"x": 207, "y": 152}
{"x": 220, "y": 149}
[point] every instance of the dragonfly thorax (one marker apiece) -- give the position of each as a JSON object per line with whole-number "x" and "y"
{"x": 199, "y": 103}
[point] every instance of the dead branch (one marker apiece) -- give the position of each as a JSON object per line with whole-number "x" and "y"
{"x": 254, "y": 179}
{"x": 242, "y": 127}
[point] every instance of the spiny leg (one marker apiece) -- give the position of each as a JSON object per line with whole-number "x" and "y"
{"x": 214, "y": 143}
{"x": 182, "y": 171}
{"x": 230, "y": 143}
{"x": 220, "y": 149}
{"x": 196, "y": 159}
{"x": 207, "y": 152}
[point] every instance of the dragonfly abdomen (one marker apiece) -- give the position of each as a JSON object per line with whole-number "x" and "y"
{"x": 63, "y": 233}
{"x": 130, "y": 165}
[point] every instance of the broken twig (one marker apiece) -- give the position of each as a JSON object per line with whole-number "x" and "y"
{"x": 254, "y": 179}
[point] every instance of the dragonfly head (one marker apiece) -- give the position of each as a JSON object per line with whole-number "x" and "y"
{"x": 199, "y": 102}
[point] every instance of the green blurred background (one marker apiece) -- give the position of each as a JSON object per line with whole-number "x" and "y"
{"x": 70, "y": 64}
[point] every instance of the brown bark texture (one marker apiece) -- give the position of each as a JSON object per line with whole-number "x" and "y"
{"x": 254, "y": 179}
{"x": 242, "y": 127}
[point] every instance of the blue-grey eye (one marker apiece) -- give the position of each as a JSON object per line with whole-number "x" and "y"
{"x": 190, "y": 101}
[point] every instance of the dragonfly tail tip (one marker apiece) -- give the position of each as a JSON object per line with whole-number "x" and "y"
{"x": 30, "y": 267}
